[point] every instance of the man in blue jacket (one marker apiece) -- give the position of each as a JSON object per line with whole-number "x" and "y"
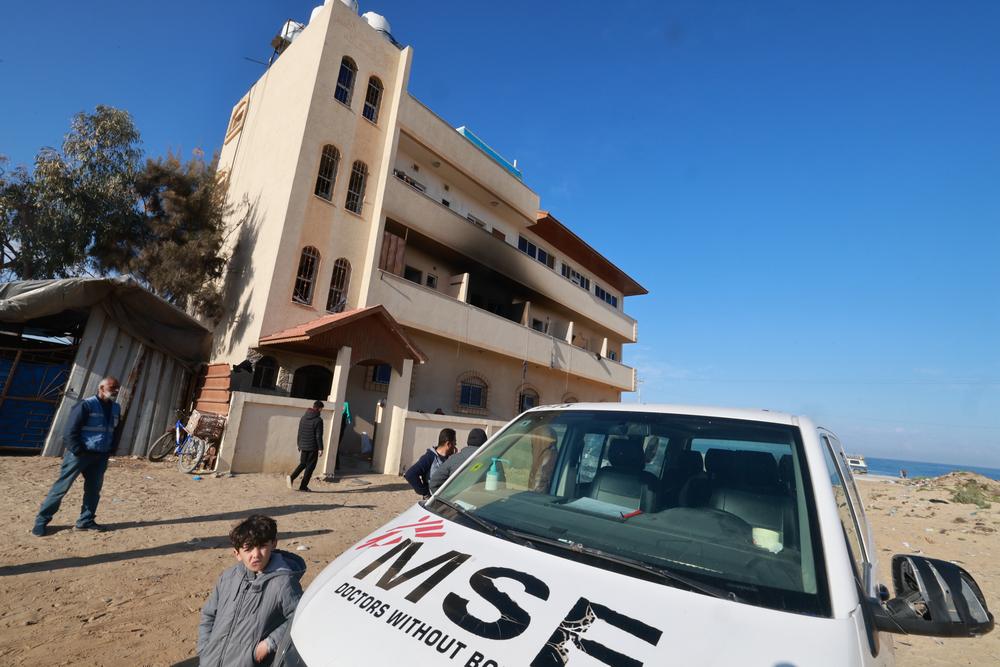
{"x": 419, "y": 474}
{"x": 90, "y": 437}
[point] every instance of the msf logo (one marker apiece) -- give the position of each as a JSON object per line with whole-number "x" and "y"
{"x": 424, "y": 527}
{"x": 571, "y": 633}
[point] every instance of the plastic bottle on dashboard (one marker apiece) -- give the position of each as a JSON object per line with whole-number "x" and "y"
{"x": 493, "y": 474}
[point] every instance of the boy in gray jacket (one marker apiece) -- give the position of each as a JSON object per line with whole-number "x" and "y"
{"x": 250, "y": 609}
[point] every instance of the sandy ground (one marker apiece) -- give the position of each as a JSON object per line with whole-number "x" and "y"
{"x": 132, "y": 596}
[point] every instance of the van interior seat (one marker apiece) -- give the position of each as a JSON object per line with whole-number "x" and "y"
{"x": 720, "y": 471}
{"x": 786, "y": 474}
{"x": 753, "y": 493}
{"x": 687, "y": 465}
{"x": 624, "y": 482}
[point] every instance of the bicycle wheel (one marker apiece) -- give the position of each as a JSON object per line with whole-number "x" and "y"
{"x": 191, "y": 453}
{"x": 164, "y": 445}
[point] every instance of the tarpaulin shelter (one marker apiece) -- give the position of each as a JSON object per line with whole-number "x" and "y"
{"x": 61, "y": 337}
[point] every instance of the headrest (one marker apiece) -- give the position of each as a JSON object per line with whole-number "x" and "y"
{"x": 721, "y": 464}
{"x": 625, "y": 453}
{"x": 786, "y": 471}
{"x": 690, "y": 462}
{"x": 758, "y": 468}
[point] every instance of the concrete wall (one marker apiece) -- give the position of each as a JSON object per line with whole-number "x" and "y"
{"x": 422, "y": 432}
{"x": 435, "y": 384}
{"x": 261, "y": 433}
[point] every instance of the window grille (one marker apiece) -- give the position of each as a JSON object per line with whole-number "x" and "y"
{"x": 305, "y": 280}
{"x": 373, "y": 100}
{"x": 345, "y": 81}
{"x": 336, "y": 301}
{"x": 472, "y": 393}
{"x": 527, "y": 399}
{"x": 356, "y": 187}
{"x": 381, "y": 374}
{"x": 328, "y": 163}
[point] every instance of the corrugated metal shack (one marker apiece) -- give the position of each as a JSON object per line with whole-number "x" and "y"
{"x": 59, "y": 338}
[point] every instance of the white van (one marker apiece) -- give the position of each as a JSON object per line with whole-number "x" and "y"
{"x": 627, "y": 535}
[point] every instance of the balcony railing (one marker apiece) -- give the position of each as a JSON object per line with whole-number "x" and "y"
{"x": 415, "y": 209}
{"x": 428, "y": 310}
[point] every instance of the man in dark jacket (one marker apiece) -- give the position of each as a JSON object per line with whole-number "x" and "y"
{"x": 310, "y": 443}
{"x": 90, "y": 437}
{"x": 250, "y": 610}
{"x": 477, "y": 436}
{"x": 419, "y": 474}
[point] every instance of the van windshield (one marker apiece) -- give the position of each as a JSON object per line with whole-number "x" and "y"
{"x": 716, "y": 500}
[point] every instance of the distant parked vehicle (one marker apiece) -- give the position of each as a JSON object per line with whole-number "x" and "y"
{"x": 624, "y": 534}
{"x": 857, "y": 464}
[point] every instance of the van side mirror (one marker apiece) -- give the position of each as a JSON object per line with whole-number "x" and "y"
{"x": 933, "y": 597}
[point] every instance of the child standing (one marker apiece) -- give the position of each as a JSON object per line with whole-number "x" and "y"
{"x": 250, "y": 609}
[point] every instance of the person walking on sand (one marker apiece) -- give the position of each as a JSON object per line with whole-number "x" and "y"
{"x": 310, "y": 444}
{"x": 90, "y": 437}
{"x": 249, "y": 611}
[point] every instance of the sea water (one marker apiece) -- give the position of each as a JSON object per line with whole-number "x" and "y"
{"x": 892, "y": 467}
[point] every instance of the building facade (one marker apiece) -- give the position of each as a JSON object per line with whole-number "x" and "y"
{"x": 357, "y": 209}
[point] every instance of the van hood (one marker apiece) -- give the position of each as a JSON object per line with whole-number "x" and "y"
{"x": 426, "y": 590}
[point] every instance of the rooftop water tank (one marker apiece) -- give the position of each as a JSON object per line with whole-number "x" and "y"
{"x": 378, "y": 22}
{"x": 316, "y": 10}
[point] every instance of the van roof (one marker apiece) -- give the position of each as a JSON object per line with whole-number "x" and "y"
{"x": 750, "y": 414}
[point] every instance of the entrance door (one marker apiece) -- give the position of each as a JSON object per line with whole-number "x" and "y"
{"x": 312, "y": 382}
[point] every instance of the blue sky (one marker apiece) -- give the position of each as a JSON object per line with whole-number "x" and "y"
{"x": 810, "y": 191}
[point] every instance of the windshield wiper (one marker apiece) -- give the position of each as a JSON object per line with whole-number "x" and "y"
{"x": 490, "y": 527}
{"x": 660, "y": 573}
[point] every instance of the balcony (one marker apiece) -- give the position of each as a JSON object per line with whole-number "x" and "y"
{"x": 441, "y": 138}
{"x": 429, "y": 310}
{"x": 416, "y": 210}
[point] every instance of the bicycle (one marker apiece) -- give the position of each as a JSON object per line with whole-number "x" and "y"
{"x": 181, "y": 441}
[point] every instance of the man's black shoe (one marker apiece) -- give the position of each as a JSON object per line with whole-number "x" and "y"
{"x": 38, "y": 530}
{"x": 307, "y": 490}
{"x": 93, "y": 526}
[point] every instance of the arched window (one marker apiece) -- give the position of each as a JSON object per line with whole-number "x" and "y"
{"x": 305, "y": 280}
{"x": 328, "y": 163}
{"x": 472, "y": 393}
{"x": 265, "y": 372}
{"x": 345, "y": 81}
{"x": 373, "y": 99}
{"x": 356, "y": 187}
{"x": 337, "y": 299}
{"x": 527, "y": 398}
{"x": 570, "y": 398}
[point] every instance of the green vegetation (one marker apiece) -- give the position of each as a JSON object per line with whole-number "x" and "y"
{"x": 96, "y": 208}
{"x": 971, "y": 492}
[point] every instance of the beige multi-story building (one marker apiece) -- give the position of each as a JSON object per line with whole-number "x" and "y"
{"x": 381, "y": 256}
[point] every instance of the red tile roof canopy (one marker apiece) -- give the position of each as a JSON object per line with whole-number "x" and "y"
{"x": 560, "y": 236}
{"x": 372, "y": 334}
